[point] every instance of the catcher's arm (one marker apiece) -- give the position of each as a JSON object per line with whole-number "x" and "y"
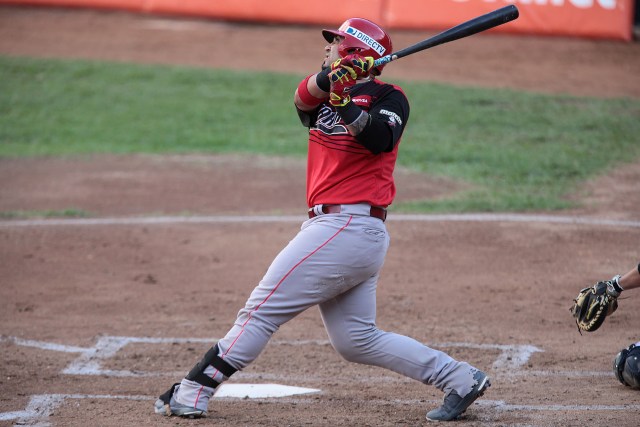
{"x": 631, "y": 279}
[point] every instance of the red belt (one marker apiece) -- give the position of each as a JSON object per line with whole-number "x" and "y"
{"x": 376, "y": 211}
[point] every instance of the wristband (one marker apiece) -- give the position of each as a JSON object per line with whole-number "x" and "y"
{"x": 322, "y": 79}
{"x": 616, "y": 284}
{"x": 349, "y": 112}
{"x": 305, "y": 96}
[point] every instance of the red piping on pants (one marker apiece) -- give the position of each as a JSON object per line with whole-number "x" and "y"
{"x": 271, "y": 293}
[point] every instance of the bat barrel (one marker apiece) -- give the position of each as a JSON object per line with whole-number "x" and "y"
{"x": 468, "y": 28}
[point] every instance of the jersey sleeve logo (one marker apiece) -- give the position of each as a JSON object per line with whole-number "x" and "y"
{"x": 393, "y": 117}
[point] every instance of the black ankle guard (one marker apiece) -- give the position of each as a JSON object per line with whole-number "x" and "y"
{"x": 210, "y": 358}
{"x": 166, "y": 396}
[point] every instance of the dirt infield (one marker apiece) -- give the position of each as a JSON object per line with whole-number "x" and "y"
{"x": 95, "y": 315}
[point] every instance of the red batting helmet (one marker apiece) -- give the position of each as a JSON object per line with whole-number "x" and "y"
{"x": 363, "y": 37}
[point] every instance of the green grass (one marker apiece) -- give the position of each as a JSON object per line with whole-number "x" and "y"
{"x": 521, "y": 151}
{"x": 65, "y": 213}
{"x": 58, "y": 107}
{"x": 518, "y": 151}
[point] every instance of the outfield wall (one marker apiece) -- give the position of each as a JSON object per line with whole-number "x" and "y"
{"x": 600, "y": 19}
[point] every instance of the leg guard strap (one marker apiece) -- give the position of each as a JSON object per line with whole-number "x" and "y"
{"x": 210, "y": 358}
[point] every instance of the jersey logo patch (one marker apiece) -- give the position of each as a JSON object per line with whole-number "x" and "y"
{"x": 329, "y": 122}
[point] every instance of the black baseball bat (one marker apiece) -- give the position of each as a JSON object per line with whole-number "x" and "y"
{"x": 468, "y": 28}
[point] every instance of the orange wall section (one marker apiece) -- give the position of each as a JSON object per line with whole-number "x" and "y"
{"x": 606, "y": 19}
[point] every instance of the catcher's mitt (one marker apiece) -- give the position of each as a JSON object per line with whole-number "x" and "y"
{"x": 594, "y": 304}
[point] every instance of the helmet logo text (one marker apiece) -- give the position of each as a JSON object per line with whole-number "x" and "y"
{"x": 366, "y": 39}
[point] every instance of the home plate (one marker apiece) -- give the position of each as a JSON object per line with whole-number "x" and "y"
{"x": 261, "y": 391}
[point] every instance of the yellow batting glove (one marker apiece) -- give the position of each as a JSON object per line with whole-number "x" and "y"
{"x": 339, "y": 101}
{"x": 342, "y": 80}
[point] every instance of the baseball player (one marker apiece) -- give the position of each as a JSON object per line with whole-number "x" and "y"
{"x": 355, "y": 123}
{"x": 626, "y": 364}
{"x": 594, "y": 304}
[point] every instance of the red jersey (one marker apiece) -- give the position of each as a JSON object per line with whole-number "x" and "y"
{"x": 340, "y": 169}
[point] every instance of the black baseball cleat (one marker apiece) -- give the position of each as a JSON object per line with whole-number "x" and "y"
{"x": 166, "y": 405}
{"x": 454, "y": 405}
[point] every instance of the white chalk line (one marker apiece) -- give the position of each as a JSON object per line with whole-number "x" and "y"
{"x": 91, "y": 359}
{"x": 501, "y": 405}
{"x": 41, "y": 406}
{"x": 509, "y": 361}
{"x": 229, "y": 219}
{"x": 511, "y": 356}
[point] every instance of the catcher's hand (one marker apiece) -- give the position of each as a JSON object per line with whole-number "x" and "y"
{"x": 594, "y": 304}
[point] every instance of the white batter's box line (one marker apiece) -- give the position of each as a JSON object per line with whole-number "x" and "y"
{"x": 501, "y": 405}
{"x": 511, "y": 357}
{"x": 565, "y": 374}
{"x": 226, "y": 219}
{"x": 91, "y": 359}
{"x": 43, "y": 345}
{"x": 41, "y": 406}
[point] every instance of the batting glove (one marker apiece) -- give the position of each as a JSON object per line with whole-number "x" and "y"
{"x": 342, "y": 80}
{"x": 361, "y": 65}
